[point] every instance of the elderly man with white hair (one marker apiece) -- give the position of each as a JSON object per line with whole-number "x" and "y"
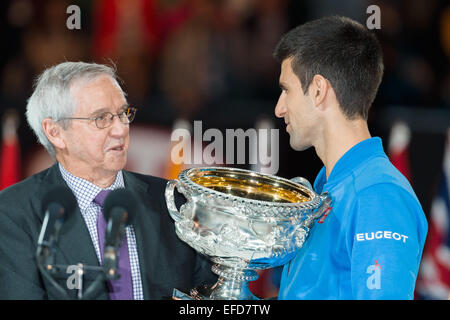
{"x": 80, "y": 114}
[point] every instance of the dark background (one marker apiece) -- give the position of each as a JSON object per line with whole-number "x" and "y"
{"x": 211, "y": 60}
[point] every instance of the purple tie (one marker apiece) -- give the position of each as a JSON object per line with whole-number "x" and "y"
{"x": 122, "y": 288}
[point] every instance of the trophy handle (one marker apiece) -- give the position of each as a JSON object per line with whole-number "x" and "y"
{"x": 303, "y": 182}
{"x": 325, "y": 205}
{"x": 170, "y": 199}
{"x": 324, "y": 208}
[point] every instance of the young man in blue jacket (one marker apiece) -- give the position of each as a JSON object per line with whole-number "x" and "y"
{"x": 370, "y": 244}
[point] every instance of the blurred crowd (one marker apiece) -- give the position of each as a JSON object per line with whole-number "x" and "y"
{"x": 211, "y": 60}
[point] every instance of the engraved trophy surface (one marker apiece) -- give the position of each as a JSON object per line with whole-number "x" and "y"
{"x": 243, "y": 221}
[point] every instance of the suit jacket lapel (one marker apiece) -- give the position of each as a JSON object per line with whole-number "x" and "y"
{"x": 75, "y": 245}
{"x": 146, "y": 227}
{"x": 75, "y": 242}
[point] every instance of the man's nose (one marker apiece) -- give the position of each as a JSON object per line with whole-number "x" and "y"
{"x": 280, "y": 109}
{"x": 118, "y": 128}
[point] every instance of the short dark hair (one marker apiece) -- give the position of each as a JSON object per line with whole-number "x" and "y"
{"x": 341, "y": 50}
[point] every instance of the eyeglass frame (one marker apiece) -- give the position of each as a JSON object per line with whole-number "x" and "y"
{"x": 112, "y": 115}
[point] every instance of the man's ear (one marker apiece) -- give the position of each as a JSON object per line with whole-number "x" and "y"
{"x": 54, "y": 133}
{"x": 318, "y": 90}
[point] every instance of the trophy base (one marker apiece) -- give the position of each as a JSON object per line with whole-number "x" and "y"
{"x": 223, "y": 289}
{"x": 200, "y": 293}
{"x": 179, "y": 295}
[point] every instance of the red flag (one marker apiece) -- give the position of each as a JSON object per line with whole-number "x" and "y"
{"x": 268, "y": 283}
{"x": 151, "y": 24}
{"x": 434, "y": 274}
{"x": 399, "y": 148}
{"x": 10, "y": 152}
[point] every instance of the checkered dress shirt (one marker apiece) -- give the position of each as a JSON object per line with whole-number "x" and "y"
{"x": 85, "y": 192}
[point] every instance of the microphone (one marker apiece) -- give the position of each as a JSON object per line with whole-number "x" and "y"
{"x": 57, "y": 203}
{"x": 119, "y": 211}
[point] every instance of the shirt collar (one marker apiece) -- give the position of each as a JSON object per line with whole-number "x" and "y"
{"x": 86, "y": 191}
{"x": 353, "y": 158}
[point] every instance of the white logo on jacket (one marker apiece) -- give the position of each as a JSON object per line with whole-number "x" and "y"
{"x": 367, "y": 236}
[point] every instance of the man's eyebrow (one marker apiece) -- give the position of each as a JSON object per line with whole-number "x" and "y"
{"x": 99, "y": 111}
{"x": 104, "y": 110}
{"x": 282, "y": 85}
{"x": 124, "y": 106}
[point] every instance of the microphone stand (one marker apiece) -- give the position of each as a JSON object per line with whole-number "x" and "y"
{"x": 45, "y": 257}
{"x": 46, "y": 274}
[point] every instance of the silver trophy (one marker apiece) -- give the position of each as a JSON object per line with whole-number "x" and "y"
{"x": 243, "y": 221}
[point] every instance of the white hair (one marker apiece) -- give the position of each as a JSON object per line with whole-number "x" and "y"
{"x": 52, "y": 99}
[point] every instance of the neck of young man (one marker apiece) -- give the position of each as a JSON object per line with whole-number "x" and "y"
{"x": 338, "y": 137}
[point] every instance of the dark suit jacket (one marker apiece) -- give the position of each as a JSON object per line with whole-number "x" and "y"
{"x": 165, "y": 261}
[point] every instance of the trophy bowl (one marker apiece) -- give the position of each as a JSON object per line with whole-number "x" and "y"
{"x": 243, "y": 221}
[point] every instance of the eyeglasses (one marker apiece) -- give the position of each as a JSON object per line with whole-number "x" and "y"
{"x": 106, "y": 119}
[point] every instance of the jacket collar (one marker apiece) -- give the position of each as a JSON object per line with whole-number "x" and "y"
{"x": 349, "y": 162}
